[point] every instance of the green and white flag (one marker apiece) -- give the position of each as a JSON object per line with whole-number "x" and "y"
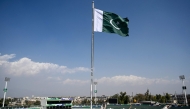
{"x": 110, "y": 23}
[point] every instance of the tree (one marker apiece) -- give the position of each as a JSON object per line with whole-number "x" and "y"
{"x": 37, "y": 103}
{"x": 29, "y": 103}
{"x": 147, "y": 95}
{"x": 1, "y": 102}
{"x": 86, "y": 102}
{"x": 122, "y": 98}
{"x": 153, "y": 98}
{"x": 139, "y": 97}
{"x": 167, "y": 97}
{"x": 100, "y": 101}
{"x": 158, "y": 97}
{"x": 6, "y": 102}
{"x": 163, "y": 99}
{"x": 115, "y": 96}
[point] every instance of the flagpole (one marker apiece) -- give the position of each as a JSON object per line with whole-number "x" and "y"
{"x": 92, "y": 54}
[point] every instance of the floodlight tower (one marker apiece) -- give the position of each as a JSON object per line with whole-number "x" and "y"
{"x": 95, "y": 91}
{"x": 182, "y": 77}
{"x": 5, "y": 89}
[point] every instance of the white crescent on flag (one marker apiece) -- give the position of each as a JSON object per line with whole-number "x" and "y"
{"x": 114, "y": 25}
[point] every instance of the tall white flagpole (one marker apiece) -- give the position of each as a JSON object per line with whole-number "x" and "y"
{"x": 92, "y": 54}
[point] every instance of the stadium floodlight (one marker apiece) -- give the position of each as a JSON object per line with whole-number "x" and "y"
{"x": 95, "y": 91}
{"x": 5, "y": 89}
{"x": 182, "y": 77}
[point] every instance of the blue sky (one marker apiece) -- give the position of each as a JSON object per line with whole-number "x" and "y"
{"x": 45, "y": 47}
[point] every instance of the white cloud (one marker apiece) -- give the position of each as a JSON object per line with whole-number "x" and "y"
{"x": 121, "y": 80}
{"x": 26, "y": 66}
{"x": 4, "y": 58}
{"x": 54, "y": 78}
{"x": 75, "y": 82}
{"x": 134, "y": 80}
{"x": 115, "y": 84}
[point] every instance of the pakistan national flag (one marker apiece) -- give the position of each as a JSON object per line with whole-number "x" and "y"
{"x": 110, "y": 22}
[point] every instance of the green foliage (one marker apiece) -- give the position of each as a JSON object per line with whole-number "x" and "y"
{"x": 6, "y": 102}
{"x": 123, "y": 98}
{"x": 37, "y": 103}
{"x": 100, "y": 102}
{"x": 163, "y": 99}
{"x": 158, "y": 97}
{"x": 1, "y": 102}
{"x": 85, "y": 102}
{"x": 115, "y": 96}
{"x": 29, "y": 103}
{"x": 167, "y": 97}
{"x": 148, "y": 97}
{"x": 153, "y": 98}
{"x": 139, "y": 97}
